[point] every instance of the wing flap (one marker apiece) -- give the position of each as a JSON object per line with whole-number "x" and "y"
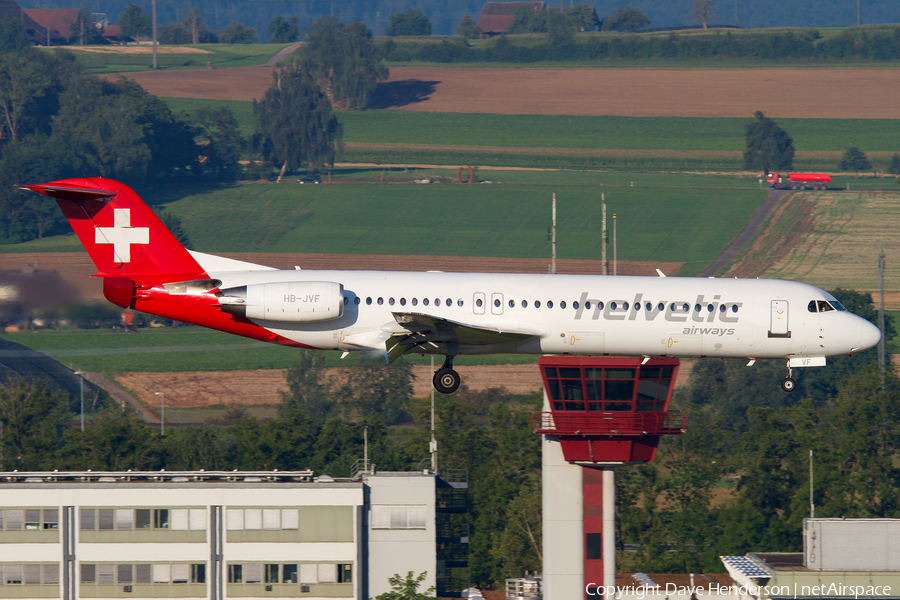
{"x": 438, "y": 329}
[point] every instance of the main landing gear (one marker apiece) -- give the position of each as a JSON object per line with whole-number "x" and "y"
{"x": 788, "y": 384}
{"x": 445, "y": 379}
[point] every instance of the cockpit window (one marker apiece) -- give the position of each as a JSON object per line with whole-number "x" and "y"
{"x": 824, "y": 306}
{"x": 811, "y": 307}
{"x": 837, "y": 305}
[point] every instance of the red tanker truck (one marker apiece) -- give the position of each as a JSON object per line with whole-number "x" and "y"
{"x": 799, "y": 181}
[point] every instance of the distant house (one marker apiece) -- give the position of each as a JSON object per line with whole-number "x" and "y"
{"x": 43, "y": 26}
{"x": 54, "y": 25}
{"x": 496, "y": 17}
{"x": 112, "y": 34}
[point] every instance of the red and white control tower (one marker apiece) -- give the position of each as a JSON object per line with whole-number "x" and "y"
{"x": 599, "y": 412}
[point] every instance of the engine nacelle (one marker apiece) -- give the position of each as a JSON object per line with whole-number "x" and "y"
{"x": 294, "y": 302}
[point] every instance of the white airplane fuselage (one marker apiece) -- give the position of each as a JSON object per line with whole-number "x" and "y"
{"x": 580, "y": 314}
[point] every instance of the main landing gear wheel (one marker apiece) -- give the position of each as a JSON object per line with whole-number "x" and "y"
{"x": 788, "y": 384}
{"x": 446, "y": 380}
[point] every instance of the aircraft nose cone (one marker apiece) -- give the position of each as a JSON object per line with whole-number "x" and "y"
{"x": 869, "y": 335}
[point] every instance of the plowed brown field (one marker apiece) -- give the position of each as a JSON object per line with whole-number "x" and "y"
{"x": 780, "y": 92}
{"x": 199, "y": 389}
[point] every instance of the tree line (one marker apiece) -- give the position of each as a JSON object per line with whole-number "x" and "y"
{"x": 567, "y": 45}
{"x": 57, "y": 122}
{"x": 446, "y": 14}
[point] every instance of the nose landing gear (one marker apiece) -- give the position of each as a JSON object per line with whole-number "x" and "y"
{"x": 445, "y": 379}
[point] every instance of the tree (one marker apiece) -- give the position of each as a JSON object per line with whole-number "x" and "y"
{"x": 528, "y": 20}
{"x": 625, "y": 19}
{"x": 559, "y": 29}
{"x": 219, "y": 140}
{"x": 407, "y": 588}
{"x": 345, "y": 60}
{"x": 410, "y": 23}
{"x": 854, "y": 159}
{"x": 307, "y": 391}
{"x": 84, "y": 31}
{"x": 23, "y": 82}
{"x": 294, "y": 122}
{"x": 134, "y": 22}
{"x": 704, "y": 11}
{"x": 192, "y": 23}
{"x": 468, "y": 28}
{"x": 12, "y": 36}
{"x": 31, "y": 415}
{"x": 894, "y": 167}
{"x": 768, "y": 146}
{"x": 583, "y": 17}
{"x": 284, "y": 31}
{"x": 238, "y": 34}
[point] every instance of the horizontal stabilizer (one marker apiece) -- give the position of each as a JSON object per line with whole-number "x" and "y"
{"x": 70, "y": 194}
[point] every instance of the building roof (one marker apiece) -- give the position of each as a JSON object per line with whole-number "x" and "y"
{"x": 10, "y": 9}
{"x": 496, "y": 17}
{"x": 113, "y": 31}
{"x": 59, "y": 21}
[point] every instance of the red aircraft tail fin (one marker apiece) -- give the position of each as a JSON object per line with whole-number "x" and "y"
{"x": 121, "y": 234}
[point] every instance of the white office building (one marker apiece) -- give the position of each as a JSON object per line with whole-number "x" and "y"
{"x": 216, "y": 535}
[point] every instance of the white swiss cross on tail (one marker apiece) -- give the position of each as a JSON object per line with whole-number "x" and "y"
{"x": 122, "y": 235}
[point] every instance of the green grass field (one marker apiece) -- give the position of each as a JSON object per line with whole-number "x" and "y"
{"x": 243, "y": 111}
{"x": 219, "y": 55}
{"x": 660, "y": 217}
{"x": 586, "y": 133}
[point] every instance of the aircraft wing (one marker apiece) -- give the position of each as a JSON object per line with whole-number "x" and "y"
{"x": 422, "y": 330}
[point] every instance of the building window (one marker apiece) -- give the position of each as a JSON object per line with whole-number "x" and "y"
{"x": 345, "y": 573}
{"x": 303, "y": 573}
{"x": 235, "y": 573}
{"x": 13, "y": 519}
{"x": 88, "y": 573}
{"x": 290, "y": 574}
{"x": 125, "y": 574}
{"x": 198, "y": 573}
{"x": 146, "y": 574}
{"x": 398, "y": 516}
{"x": 255, "y": 519}
{"x": 271, "y": 571}
{"x": 31, "y": 519}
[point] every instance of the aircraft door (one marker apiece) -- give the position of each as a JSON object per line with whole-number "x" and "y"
{"x": 778, "y": 324}
{"x": 478, "y": 303}
{"x": 496, "y": 303}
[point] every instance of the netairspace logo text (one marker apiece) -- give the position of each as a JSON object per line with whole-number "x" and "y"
{"x": 783, "y": 591}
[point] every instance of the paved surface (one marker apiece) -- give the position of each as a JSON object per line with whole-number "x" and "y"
{"x": 281, "y": 54}
{"x": 122, "y": 398}
{"x": 750, "y": 230}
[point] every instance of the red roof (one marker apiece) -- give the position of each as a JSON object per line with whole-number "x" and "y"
{"x": 496, "y": 17}
{"x": 113, "y": 31}
{"x": 58, "y": 20}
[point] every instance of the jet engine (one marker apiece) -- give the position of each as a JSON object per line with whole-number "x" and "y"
{"x": 294, "y": 302}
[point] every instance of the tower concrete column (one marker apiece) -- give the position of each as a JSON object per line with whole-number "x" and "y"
{"x": 563, "y": 577}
